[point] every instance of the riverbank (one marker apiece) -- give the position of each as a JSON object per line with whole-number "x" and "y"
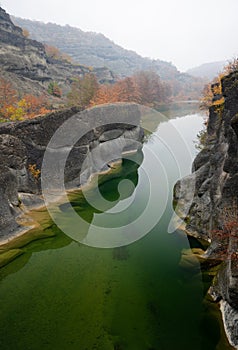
{"x": 136, "y": 296}
{"x": 107, "y": 132}
{"x": 211, "y": 193}
{"x": 31, "y": 221}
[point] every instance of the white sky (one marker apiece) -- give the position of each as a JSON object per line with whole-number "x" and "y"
{"x": 184, "y": 32}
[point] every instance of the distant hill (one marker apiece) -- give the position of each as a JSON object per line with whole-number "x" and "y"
{"x": 96, "y": 50}
{"x": 93, "y": 49}
{"x": 207, "y": 70}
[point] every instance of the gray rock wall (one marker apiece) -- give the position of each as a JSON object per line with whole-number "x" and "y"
{"x": 23, "y": 145}
{"x": 214, "y": 203}
{"x": 25, "y": 64}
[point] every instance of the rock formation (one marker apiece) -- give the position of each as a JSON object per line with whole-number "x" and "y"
{"x": 212, "y": 189}
{"x": 23, "y": 145}
{"x": 24, "y": 62}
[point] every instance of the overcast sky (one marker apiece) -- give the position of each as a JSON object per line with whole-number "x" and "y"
{"x": 184, "y": 32}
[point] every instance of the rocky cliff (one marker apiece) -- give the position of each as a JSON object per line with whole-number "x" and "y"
{"x": 207, "y": 200}
{"x": 24, "y": 62}
{"x": 23, "y": 145}
{"x": 98, "y": 51}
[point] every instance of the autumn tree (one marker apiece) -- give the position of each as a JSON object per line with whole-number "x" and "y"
{"x": 105, "y": 94}
{"x": 207, "y": 96}
{"x": 36, "y": 105}
{"x": 25, "y": 32}
{"x": 8, "y": 96}
{"x": 14, "y": 108}
{"x": 83, "y": 91}
{"x": 149, "y": 88}
{"x": 215, "y": 87}
{"x": 54, "y": 89}
{"x": 127, "y": 90}
{"x": 144, "y": 87}
{"x": 27, "y": 107}
{"x": 54, "y": 53}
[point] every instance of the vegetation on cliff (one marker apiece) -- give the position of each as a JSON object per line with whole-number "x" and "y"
{"x": 212, "y": 92}
{"x": 96, "y": 50}
{"x": 143, "y": 87}
{"x": 209, "y": 195}
{"x": 51, "y": 81}
{"x": 13, "y": 107}
{"x": 36, "y": 78}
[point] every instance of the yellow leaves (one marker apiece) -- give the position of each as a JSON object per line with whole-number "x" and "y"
{"x": 215, "y": 88}
{"x": 34, "y": 171}
{"x": 11, "y": 108}
{"x": 27, "y": 107}
{"x": 14, "y": 113}
{"x": 219, "y": 102}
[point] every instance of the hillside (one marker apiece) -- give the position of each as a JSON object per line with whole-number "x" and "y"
{"x": 24, "y": 62}
{"x": 98, "y": 51}
{"x": 207, "y": 70}
{"x": 93, "y": 49}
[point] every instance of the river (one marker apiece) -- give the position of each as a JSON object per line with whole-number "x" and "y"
{"x": 61, "y": 294}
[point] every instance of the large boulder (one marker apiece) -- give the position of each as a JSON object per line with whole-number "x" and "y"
{"x": 103, "y": 134}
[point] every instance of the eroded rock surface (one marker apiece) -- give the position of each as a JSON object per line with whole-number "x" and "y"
{"x": 214, "y": 204}
{"x": 23, "y": 145}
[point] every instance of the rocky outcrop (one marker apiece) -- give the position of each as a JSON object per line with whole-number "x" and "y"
{"x": 24, "y": 62}
{"x": 23, "y": 146}
{"x": 212, "y": 214}
{"x": 19, "y": 54}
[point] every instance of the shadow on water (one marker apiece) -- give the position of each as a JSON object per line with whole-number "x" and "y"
{"x": 64, "y": 295}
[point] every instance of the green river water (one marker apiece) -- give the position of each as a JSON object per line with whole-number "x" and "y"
{"x": 61, "y": 294}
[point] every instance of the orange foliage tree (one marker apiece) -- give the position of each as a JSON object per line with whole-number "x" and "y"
{"x": 28, "y": 107}
{"x": 105, "y": 94}
{"x": 25, "y": 32}
{"x": 144, "y": 87}
{"x": 13, "y": 108}
{"x": 8, "y": 95}
{"x": 54, "y": 53}
{"x": 127, "y": 90}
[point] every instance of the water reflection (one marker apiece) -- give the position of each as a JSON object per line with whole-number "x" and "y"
{"x": 64, "y": 295}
